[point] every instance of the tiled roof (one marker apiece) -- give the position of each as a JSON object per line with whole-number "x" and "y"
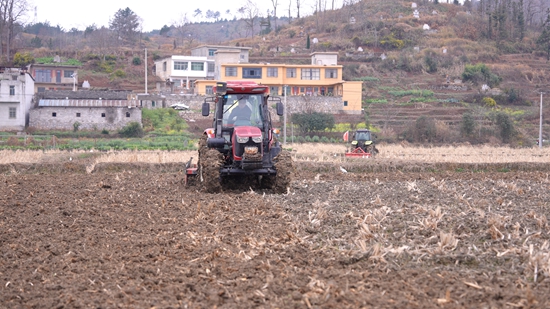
{"x": 88, "y": 103}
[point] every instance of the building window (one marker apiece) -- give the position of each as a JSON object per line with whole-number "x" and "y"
{"x": 13, "y": 112}
{"x": 242, "y": 57}
{"x": 310, "y": 74}
{"x": 41, "y": 89}
{"x": 330, "y": 90}
{"x": 180, "y": 65}
{"x": 77, "y": 114}
{"x": 345, "y": 103}
{"x": 252, "y": 73}
{"x": 302, "y": 89}
{"x": 331, "y": 73}
{"x": 211, "y": 52}
{"x": 103, "y": 115}
{"x": 44, "y": 76}
{"x": 291, "y": 72}
{"x": 54, "y": 114}
{"x": 274, "y": 90}
{"x": 211, "y": 67}
{"x": 128, "y": 114}
{"x": 68, "y": 73}
{"x": 209, "y": 90}
{"x": 153, "y": 103}
{"x": 230, "y": 71}
{"x": 272, "y": 72}
{"x": 197, "y": 66}
{"x": 12, "y": 90}
{"x": 164, "y": 66}
{"x": 177, "y": 83}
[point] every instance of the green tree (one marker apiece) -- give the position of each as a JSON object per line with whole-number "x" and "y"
{"x": 125, "y": 25}
{"x": 310, "y": 122}
{"x": 164, "y": 30}
{"x": 505, "y": 125}
{"x": 468, "y": 124}
{"x": 36, "y": 42}
{"x": 308, "y": 43}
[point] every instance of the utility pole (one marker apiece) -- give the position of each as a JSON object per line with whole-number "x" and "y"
{"x": 540, "y": 122}
{"x": 284, "y": 116}
{"x": 145, "y": 70}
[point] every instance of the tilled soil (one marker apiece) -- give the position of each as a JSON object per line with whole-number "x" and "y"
{"x": 361, "y": 235}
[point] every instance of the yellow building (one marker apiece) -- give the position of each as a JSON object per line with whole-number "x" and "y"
{"x": 323, "y": 77}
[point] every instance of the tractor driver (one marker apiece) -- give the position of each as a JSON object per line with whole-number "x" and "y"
{"x": 241, "y": 112}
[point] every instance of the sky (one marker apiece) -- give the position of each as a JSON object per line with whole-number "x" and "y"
{"x": 80, "y": 14}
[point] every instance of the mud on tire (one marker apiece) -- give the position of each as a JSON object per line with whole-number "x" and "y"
{"x": 209, "y": 164}
{"x": 285, "y": 171}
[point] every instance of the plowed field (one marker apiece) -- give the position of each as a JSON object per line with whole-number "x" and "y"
{"x": 376, "y": 235}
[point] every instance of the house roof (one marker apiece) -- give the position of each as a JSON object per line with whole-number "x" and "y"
{"x": 85, "y": 95}
{"x": 223, "y": 47}
{"x": 54, "y": 65}
{"x": 87, "y": 103}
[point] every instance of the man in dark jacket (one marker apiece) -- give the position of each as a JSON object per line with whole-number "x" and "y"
{"x": 240, "y": 112}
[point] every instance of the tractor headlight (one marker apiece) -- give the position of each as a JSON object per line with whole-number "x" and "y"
{"x": 251, "y": 150}
{"x": 242, "y": 140}
{"x": 257, "y": 139}
{"x": 354, "y": 143}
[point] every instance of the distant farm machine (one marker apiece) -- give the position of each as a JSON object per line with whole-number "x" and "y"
{"x": 361, "y": 145}
{"x": 241, "y": 148}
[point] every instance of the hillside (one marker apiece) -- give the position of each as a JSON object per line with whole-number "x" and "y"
{"x": 411, "y": 66}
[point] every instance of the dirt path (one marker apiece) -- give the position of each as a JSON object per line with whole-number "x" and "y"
{"x": 131, "y": 236}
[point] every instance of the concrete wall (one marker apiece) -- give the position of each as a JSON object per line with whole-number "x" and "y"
{"x": 90, "y": 117}
{"x": 21, "y": 100}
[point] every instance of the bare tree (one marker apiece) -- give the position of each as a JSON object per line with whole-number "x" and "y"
{"x": 289, "y": 11}
{"x": 11, "y": 14}
{"x": 274, "y": 3}
{"x": 298, "y": 5}
{"x": 181, "y": 26}
{"x": 250, "y": 15}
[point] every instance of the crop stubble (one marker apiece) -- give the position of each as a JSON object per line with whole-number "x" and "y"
{"x": 384, "y": 234}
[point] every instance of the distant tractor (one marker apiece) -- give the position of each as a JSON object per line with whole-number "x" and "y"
{"x": 241, "y": 148}
{"x": 362, "y": 144}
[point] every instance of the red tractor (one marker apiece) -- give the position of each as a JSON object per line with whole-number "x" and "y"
{"x": 241, "y": 148}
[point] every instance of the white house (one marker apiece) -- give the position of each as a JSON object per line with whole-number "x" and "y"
{"x": 180, "y": 72}
{"x": 16, "y": 94}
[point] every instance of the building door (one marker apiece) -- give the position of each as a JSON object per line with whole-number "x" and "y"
{"x": 309, "y": 91}
{"x": 58, "y": 76}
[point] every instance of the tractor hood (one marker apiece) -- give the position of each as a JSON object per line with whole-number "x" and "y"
{"x": 248, "y": 131}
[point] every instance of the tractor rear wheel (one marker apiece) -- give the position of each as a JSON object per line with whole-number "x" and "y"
{"x": 285, "y": 169}
{"x": 209, "y": 164}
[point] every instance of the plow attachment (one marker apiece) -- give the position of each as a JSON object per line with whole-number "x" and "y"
{"x": 358, "y": 153}
{"x": 190, "y": 171}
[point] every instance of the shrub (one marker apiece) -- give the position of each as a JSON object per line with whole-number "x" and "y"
{"x": 21, "y": 60}
{"x": 315, "y": 139}
{"x": 132, "y": 129}
{"x": 104, "y": 131}
{"x": 480, "y": 73}
{"x": 136, "y": 61}
{"x": 505, "y": 125}
{"x": 76, "y": 125}
{"x": 119, "y": 73}
{"x": 489, "y": 102}
{"x": 468, "y": 125}
{"x": 425, "y": 129}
